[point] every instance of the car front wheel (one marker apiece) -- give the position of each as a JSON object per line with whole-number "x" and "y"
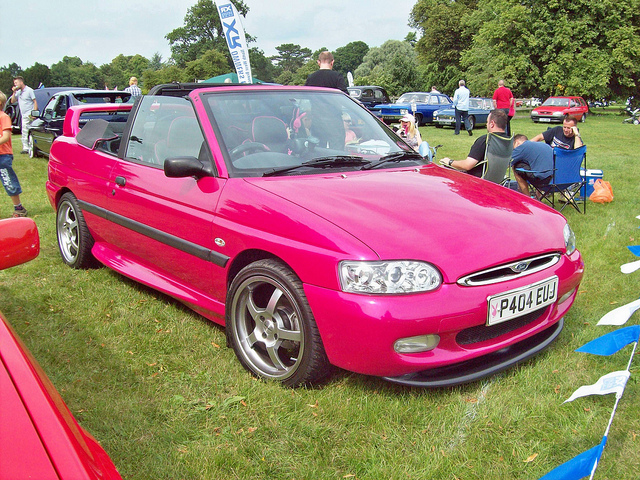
{"x": 74, "y": 240}
{"x": 271, "y": 328}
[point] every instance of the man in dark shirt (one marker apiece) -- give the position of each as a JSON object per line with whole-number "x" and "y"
{"x": 567, "y": 136}
{"x": 325, "y": 76}
{"x": 496, "y": 123}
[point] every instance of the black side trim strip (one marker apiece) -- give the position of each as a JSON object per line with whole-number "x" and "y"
{"x": 162, "y": 237}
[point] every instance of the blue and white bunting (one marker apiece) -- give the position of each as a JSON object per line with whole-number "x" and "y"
{"x": 613, "y": 382}
{"x": 612, "y": 342}
{"x": 630, "y": 267}
{"x": 620, "y": 315}
{"x": 578, "y": 467}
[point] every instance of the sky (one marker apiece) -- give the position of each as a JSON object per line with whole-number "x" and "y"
{"x": 97, "y": 32}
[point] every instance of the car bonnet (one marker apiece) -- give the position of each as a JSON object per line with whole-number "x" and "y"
{"x": 453, "y": 220}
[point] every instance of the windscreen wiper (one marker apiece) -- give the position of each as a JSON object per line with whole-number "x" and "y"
{"x": 321, "y": 162}
{"x": 393, "y": 157}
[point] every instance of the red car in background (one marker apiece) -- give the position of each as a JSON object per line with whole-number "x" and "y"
{"x": 39, "y": 437}
{"x": 553, "y": 109}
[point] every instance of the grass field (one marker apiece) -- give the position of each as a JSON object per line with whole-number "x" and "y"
{"x": 155, "y": 384}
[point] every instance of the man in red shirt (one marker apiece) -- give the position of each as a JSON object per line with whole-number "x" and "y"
{"x": 503, "y": 99}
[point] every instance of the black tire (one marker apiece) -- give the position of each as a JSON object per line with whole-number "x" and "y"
{"x": 418, "y": 120}
{"x": 472, "y": 122}
{"x": 583, "y": 118}
{"x": 271, "y": 328}
{"x": 74, "y": 240}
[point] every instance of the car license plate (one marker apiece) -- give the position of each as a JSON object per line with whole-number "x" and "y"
{"x": 544, "y": 120}
{"x": 403, "y": 111}
{"x": 521, "y": 301}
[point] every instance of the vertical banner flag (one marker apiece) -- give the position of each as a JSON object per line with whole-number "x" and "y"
{"x": 236, "y": 40}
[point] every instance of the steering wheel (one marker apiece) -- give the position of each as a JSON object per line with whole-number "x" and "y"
{"x": 247, "y": 147}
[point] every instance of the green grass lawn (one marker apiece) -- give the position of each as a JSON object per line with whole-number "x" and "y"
{"x": 156, "y": 385}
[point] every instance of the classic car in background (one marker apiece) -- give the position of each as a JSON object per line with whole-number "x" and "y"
{"x": 479, "y": 110}
{"x": 553, "y": 109}
{"x": 39, "y": 437}
{"x": 369, "y": 95}
{"x": 421, "y": 104}
{"x": 314, "y": 234}
{"x": 48, "y": 122}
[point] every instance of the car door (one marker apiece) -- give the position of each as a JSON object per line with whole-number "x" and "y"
{"x": 49, "y": 125}
{"x": 162, "y": 224}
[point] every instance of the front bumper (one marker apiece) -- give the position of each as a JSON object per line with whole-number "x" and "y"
{"x": 359, "y": 331}
{"x": 481, "y": 367}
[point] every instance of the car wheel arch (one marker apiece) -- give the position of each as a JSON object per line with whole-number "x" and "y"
{"x": 248, "y": 257}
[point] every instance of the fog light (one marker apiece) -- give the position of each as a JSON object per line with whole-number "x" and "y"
{"x": 421, "y": 343}
{"x": 566, "y": 296}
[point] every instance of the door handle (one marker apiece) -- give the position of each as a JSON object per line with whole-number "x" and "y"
{"x": 121, "y": 181}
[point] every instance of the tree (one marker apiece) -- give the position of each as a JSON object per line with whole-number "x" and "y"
{"x": 36, "y": 75}
{"x": 71, "y": 71}
{"x": 7, "y": 74}
{"x": 291, "y": 57}
{"x": 393, "y": 65}
{"x": 202, "y": 31}
{"x": 210, "y": 64}
{"x": 168, "y": 74}
{"x": 444, "y": 38}
{"x": 261, "y": 66}
{"x": 122, "y": 68}
{"x": 348, "y": 58}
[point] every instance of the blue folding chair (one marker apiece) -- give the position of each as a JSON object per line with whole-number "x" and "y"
{"x": 567, "y": 180}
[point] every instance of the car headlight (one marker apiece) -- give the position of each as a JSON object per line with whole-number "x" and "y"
{"x": 388, "y": 277}
{"x": 569, "y": 239}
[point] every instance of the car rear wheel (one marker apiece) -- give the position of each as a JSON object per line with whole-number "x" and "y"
{"x": 33, "y": 150}
{"x": 74, "y": 240}
{"x": 583, "y": 118}
{"x": 271, "y": 328}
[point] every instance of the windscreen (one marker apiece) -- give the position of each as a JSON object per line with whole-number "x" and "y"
{"x": 283, "y": 131}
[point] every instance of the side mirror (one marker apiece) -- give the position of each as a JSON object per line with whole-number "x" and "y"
{"x": 181, "y": 167}
{"x": 19, "y": 241}
{"x": 35, "y": 113}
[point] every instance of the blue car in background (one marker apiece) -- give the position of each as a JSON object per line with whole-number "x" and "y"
{"x": 479, "y": 109}
{"x": 421, "y": 104}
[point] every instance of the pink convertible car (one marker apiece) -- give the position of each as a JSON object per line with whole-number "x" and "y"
{"x": 295, "y": 218}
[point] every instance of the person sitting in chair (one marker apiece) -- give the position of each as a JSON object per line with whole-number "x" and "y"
{"x": 565, "y": 136}
{"x": 496, "y": 123}
{"x": 532, "y": 163}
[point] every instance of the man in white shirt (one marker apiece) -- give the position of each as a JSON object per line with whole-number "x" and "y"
{"x": 461, "y": 105}
{"x": 27, "y": 101}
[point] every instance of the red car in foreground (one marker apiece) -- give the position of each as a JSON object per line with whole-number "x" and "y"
{"x": 315, "y": 234}
{"x": 553, "y": 109}
{"x": 39, "y": 438}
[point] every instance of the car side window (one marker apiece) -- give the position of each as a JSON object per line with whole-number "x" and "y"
{"x": 60, "y": 109}
{"x": 164, "y": 127}
{"x": 49, "y": 108}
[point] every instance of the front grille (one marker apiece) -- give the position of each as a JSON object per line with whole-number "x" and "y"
{"x": 482, "y": 333}
{"x": 512, "y": 270}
